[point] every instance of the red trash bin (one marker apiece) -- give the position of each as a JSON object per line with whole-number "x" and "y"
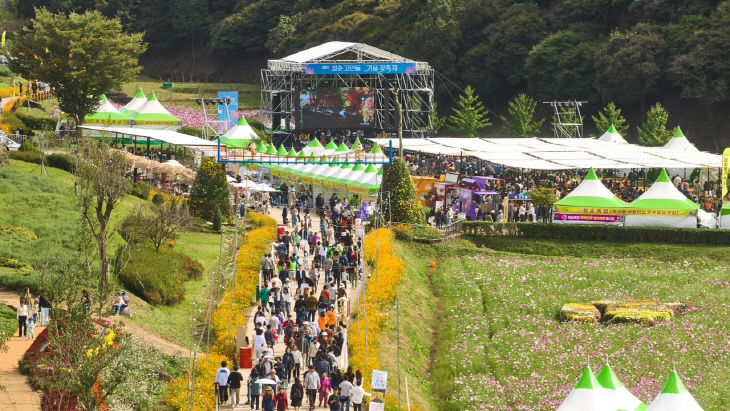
{"x": 246, "y": 356}
{"x": 280, "y": 231}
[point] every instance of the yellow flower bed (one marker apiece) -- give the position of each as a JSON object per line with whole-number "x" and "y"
{"x": 585, "y": 313}
{"x": 388, "y": 270}
{"x": 167, "y": 197}
{"x": 247, "y": 278}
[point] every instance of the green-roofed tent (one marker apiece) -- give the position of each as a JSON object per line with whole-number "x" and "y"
{"x": 588, "y": 395}
{"x": 662, "y": 205}
{"x": 612, "y": 136}
{"x": 261, "y": 147}
{"x": 602, "y": 206}
{"x": 235, "y": 143}
{"x": 331, "y": 146}
{"x": 680, "y": 142}
{"x": 342, "y": 148}
{"x": 271, "y": 150}
{"x": 241, "y": 131}
{"x": 153, "y": 115}
{"x": 292, "y": 152}
{"x": 724, "y": 219}
{"x": 134, "y": 104}
{"x": 282, "y": 151}
{"x": 674, "y": 397}
{"x": 621, "y": 397}
{"x": 106, "y": 114}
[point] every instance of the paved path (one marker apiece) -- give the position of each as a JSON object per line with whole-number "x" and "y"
{"x": 18, "y": 394}
{"x": 279, "y": 347}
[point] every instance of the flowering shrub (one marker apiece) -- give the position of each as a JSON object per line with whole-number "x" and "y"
{"x": 226, "y": 317}
{"x": 388, "y": 270}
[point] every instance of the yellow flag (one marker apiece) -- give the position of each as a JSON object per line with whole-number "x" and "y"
{"x": 2, "y": 43}
{"x": 725, "y": 169}
{"x": 47, "y": 51}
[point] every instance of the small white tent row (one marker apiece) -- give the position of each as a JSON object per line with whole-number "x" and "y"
{"x": 607, "y": 393}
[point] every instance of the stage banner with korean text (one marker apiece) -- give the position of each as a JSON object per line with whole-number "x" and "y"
{"x": 380, "y": 383}
{"x": 359, "y": 68}
{"x": 725, "y": 169}
{"x": 609, "y": 214}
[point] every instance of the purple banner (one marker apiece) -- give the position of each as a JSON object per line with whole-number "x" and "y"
{"x": 590, "y": 218}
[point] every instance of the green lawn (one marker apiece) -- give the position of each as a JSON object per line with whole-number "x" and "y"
{"x": 249, "y": 95}
{"x": 499, "y": 345}
{"x": 42, "y": 215}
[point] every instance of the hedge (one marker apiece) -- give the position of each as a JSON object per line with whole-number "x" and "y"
{"x": 157, "y": 278}
{"x": 37, "y": 123}
{"x": 8, "y": 320}
{"x": 580, "y": 232}
{"x": 56, "y": 160}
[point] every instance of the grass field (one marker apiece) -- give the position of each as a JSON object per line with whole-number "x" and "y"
{"x": 40, "y": 215}
{"x": 499, "y": 345}
{"x": 249, "y": 95}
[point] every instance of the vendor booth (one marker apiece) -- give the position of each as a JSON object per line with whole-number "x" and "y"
{"x": 662, "y": 205}
{"x": 590, "y": 203}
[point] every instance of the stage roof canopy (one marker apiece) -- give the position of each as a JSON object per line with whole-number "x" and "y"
{"x": 560, "y": 153}
{"x": 165, "y": 136}
{"x": 331, "y": 50}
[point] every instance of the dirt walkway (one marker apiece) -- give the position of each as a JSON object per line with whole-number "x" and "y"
{"x": 18, "y": 394}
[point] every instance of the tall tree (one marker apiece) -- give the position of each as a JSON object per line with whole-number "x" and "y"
{"x": 611, "y": 115}
{"x": 469, "y": 116}
{"x": 100, "y": 185}
{"x": 522, "y": 113}
{"x": 81, "y": 55}
{"x": 630, "y": 63}
{"x": 438, "y": 121}
{"x": 403, "y": 206}
{"x": 165, "y": 219}
{"x": 654, "y": 132}
{"x": 210, "y": 191}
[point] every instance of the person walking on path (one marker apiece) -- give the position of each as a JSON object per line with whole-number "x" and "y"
{"x": 264, "y": 297}
{"x": 334, "y": 401}
{"x": 268, "y": 401}
{"x": 325, "y": 387}
{"x": 30, "y": 324}
{"x": 234, "y": 383}
{"x": 22, "y": 314}
{"x": 45, "y": 309}
{"x": 255, "y": 390}
{"x": 311, "y": 383}
{"x": 297, "y": 394}
{"x": 282, "y": 402}
{"x": 222, "y": 380}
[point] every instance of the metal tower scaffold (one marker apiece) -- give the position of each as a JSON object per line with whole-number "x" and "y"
{"x": 567, "y": 118}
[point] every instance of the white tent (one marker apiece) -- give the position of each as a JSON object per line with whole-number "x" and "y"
{"x": 674, "y": 397}
{"x": 137, "y": 102}
{"x": 622, "y": 398}
{"x": 241, "y": 131}
{"x": 705, "y": 219}
{"x": 590, "y": 203}
{"x": 154, "y": 115}
{"x": 662, "y": 205}
{"x": 680, "y": 142}
{"x": 612, "y": 136}
{"x": 588, "y": 395}
{"x": 724, "y": 220}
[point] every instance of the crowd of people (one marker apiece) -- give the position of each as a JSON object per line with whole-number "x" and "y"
{"x": 304, "y": 305}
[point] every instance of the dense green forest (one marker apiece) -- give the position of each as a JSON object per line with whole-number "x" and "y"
{"x": 632, "y": 52}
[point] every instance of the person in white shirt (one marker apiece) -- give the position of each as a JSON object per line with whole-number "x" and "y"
{"x": 356, "y": 395}
{"x": 345, "y": 388}
{"x": 259, "y": 343}
{"x": 221, "y": 378}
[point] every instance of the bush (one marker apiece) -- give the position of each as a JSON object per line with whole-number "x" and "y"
{"x": 27, "y": 156}
{"x": 12, "y": 121}
{"x": 193, "y": 268}
{"x": 192, "y": 131}
{"x": 60, "y": 161}
{"x": 141, "y": 190}
{"x": 37, "y": 123}
{"x": 155, "y": 277}
{"x": 28, "y": 146}
{"x": 8, "y": 321}
{"x": 217, "y": 220}
{"x": 579, "y": 232}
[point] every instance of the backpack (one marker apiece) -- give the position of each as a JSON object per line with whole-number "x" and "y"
{"x": 296, "y": 393}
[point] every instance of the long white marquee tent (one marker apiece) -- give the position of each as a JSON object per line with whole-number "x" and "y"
{"x": 165, "y": 136}
{"x": 560, "y": 153}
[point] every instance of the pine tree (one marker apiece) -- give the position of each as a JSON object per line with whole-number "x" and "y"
{"x": 210, "y": 191}
{"x": 470, "y": 115}
{"x": 611, "y": 115}
{"x": 522, "y": 112}
{"x": 654, "y": 132}
{"x": 438, "y": 122}
{"x": 217, "y": 219}
{"x": 404, "y": 206}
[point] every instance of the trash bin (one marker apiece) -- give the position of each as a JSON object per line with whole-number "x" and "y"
{"x": 246, "y": 356}
{"x": 280, "y": 231}
{"x": 168, "y": 85}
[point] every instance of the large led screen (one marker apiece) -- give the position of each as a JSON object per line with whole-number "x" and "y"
{"x": 337, "y": 107}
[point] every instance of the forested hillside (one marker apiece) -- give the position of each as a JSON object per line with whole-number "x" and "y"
{"x": 632, "y": 52}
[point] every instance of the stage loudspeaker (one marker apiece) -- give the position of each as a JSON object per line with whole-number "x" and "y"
{"x": 425, "y": 112}
{"x": 276, "y": 112}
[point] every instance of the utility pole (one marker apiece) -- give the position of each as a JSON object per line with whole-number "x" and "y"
{"x": 397, "y": 325}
